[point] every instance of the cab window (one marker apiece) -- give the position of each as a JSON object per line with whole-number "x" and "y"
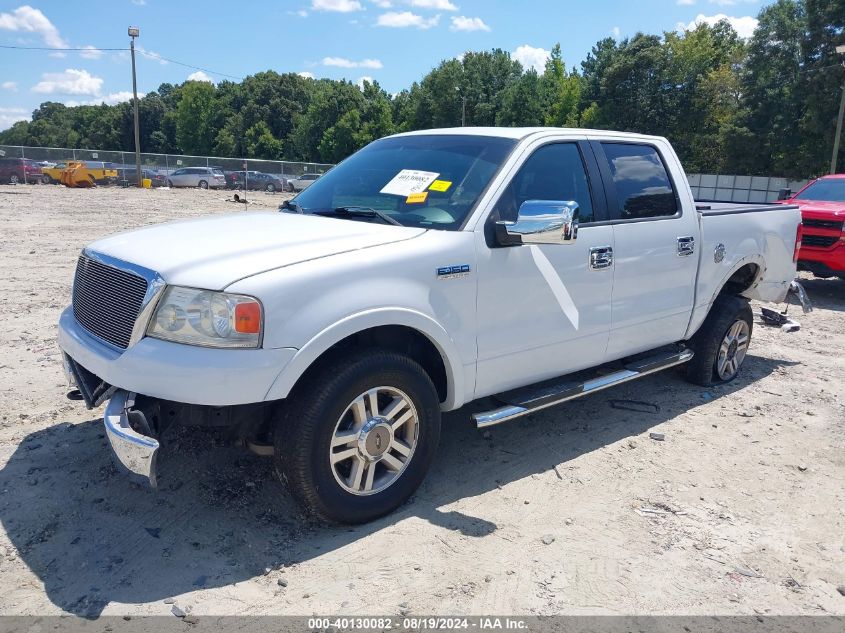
{"x": 643, "y": 187}
{"x": 553, "y": 172}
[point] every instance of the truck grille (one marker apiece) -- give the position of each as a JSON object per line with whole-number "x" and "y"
{"x": 107, "y": 300}
{"x": 818, "y": 241}
{"x": 822, "y": 224}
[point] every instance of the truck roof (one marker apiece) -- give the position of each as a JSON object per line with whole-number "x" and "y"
{"x": 519, "y": 133}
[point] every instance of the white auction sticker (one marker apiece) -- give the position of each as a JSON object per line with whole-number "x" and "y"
{"x": 409, "y": 181}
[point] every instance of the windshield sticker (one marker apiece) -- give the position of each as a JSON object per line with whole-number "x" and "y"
{"x": 440, "y": 185}
{"x": 409, "y": 181}
{"x": 416, "y": 198}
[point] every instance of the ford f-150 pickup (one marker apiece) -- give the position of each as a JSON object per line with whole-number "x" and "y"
{"x": 526, "y": 267}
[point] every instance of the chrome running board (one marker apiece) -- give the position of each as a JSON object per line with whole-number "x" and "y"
{"x": 530, "y": 399}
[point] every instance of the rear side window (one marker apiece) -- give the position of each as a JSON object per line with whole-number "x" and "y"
{"x": 643, "y": 187}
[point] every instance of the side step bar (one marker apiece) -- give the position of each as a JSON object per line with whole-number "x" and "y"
{"x": 524, "y": 401}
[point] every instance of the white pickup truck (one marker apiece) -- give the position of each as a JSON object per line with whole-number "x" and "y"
{"x": 426, "y": 271}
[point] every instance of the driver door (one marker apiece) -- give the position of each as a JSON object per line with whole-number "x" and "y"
{"x": 544, "y": 309}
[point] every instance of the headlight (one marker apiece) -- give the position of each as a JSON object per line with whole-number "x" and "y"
{"x": 206, "y": 318}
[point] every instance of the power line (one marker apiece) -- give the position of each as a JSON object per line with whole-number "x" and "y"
{"x": 148, "y": 54}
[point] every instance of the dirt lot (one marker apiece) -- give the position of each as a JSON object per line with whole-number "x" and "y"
{"x": 740, "y": 510}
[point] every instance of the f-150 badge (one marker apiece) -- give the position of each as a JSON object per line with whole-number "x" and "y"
{"x": 453, "y": 272}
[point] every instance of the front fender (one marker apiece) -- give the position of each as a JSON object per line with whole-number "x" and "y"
{"x": 322, "y": 341}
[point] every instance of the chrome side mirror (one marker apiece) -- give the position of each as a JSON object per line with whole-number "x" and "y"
{"x": 541, "y": 222}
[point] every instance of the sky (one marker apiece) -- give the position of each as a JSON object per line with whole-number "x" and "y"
{"x": 394, "y": 42}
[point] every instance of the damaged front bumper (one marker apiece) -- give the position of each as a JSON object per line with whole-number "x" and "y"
{"x": 129, "y": 434}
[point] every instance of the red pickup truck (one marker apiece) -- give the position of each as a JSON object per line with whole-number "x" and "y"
{"x": 822, "y": 204}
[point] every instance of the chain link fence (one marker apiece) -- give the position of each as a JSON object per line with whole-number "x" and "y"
{"x": 151, "y": 164}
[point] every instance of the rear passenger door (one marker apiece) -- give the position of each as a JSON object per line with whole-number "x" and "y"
{"x": 655, "y": 254}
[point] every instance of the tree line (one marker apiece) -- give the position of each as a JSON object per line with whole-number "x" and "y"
{"x": 766, "y": 105}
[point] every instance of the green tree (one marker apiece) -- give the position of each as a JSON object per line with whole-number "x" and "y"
{"x": 194, "y": 130}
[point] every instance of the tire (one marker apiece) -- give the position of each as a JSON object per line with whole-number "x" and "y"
{"x": 46, "y": 180}
{"x": 203, "y": 184}
{"x": 271, "y": 188}
{"x": 289, "y": 188}
{"x": 323, "y": 408}
{"x": 169, "y": 183}
{"x": 721, "y": 344}
{"x": 14, "y": 179}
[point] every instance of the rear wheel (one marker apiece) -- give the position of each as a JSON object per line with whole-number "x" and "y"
{"x": 271, "y": 188}
{"x": 721, "y": 344}
{"x": 357, "y": 438}
{"x": 203, "y": 184}
{"x": 14, "y": 179}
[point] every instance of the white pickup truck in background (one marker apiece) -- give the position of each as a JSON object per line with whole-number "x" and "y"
{"x": 428, "y": 270}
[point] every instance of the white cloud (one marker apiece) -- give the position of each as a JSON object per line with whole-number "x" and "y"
{"x": 302, "y": 13}
{"x": 11, "y": 86}
{"x": 199, "y": 76}
{"x": 439, "y": 5}
{"x": 306, "y": 74}
{"x": 89, "y": 52}
{"x": 337, "y": 6}
{"x": 383, "y": 4}
{"x": 361, "y": 80}
{"x": 405, "y": 19}
{"x": 110, "y": 99}
{"x": 29, "y": 20}
{"x": 461, "y": 23}
{"x": 686, "y": 3}
{"x": 744, "y": 26}
{"x": 69, "y": 82}
{"x": 342, "y": 62}
{"x": 531, "y": 57}
{"x": 10, "y": 116}
{"x": 615, "y": 32}
{"x": 140, "y": 3}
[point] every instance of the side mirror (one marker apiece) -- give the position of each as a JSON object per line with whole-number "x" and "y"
{"x": 541, "y": 222}
{"x": 784, "y": 194}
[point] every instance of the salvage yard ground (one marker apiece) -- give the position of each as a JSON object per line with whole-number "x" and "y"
{"x": 740, "y": 510}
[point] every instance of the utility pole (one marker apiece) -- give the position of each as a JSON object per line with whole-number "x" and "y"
{"x": 463, "y": 106}
{"x": 841, "y": 51}
{"x": 134, "y": 32}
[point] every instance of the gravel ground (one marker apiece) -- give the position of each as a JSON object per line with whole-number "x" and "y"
{"x": 573, "y": 510}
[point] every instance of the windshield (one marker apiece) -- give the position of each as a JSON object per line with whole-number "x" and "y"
{"x": 427, "y": 181}
{"x": 831, "y": 190}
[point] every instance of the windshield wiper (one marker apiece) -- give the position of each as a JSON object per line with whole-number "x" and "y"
{"x": 359, "y": 212}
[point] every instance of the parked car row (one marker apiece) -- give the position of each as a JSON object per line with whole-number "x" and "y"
{"x": 15, "y": 170}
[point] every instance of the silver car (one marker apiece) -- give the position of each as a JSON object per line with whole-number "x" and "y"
{"x": 303, "y": 182}
{"x": 202, "y": 177}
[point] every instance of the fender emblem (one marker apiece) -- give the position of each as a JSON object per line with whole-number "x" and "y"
{"x": 719, "y": 253}
{"x": 453, "y": 272}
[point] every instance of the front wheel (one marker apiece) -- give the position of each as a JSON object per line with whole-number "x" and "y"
{"x": 357, "y": 438}
{"x": 721, "y": 344}
{"x": 271, "y": 188}
{"x": 203, "y": 184}
{"x": 14, "y": 179}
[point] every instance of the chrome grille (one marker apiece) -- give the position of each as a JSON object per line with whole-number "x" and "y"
{"x": 107, "y": 300}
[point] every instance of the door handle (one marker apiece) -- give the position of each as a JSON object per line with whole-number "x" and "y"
{"x": 601, "y": 257}
{"x": 686, "y": 246}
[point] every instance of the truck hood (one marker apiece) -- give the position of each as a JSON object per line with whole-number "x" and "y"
{"x": 818, "y": 208}
{"x": 213, "y": 252}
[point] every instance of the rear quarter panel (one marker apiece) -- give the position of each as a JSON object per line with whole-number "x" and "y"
{"x": 765, "y": 238}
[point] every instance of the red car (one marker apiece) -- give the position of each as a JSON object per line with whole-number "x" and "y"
{"x": 822, "y": 205}
{"x": 15, "y": 170}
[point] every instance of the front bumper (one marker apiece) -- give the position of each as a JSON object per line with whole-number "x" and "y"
{"x": 177, "y": 372}
{"x": 134, "y": 451}
{"x": 823, "y": 261}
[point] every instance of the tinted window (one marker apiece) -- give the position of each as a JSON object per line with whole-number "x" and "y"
{"x": 553, "y": 172}
{"x": 643, "y": 188}
{"x": 830, "y": 189}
